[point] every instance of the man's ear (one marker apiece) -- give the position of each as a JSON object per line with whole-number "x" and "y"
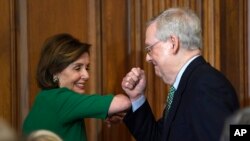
{"x": 175, "y": 43}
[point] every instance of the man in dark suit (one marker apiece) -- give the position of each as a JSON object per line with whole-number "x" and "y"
{"x": 201, "y": 97}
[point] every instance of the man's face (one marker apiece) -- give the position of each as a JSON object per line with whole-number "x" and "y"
{"x": 158, "y": 53}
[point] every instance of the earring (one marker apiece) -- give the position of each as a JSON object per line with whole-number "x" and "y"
{"x": 55, "y": 79}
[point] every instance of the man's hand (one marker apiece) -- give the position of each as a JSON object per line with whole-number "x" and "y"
{"x": 134, "y": 83}
{"x": 115, "y": 119}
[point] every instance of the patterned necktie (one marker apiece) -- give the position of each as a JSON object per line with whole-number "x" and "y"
{"x": 170, "y": 97}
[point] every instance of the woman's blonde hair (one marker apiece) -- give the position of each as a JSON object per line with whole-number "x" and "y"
{"x": 43, "y": 135}
{"x": 6, "y": 132}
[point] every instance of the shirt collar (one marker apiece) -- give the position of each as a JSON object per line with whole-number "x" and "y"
{"x": 180, "y": 73}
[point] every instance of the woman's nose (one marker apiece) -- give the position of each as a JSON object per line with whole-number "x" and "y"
{"x": 85, "y": 74}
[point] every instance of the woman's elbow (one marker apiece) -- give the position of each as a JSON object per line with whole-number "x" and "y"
{"x": 120, "y": 103}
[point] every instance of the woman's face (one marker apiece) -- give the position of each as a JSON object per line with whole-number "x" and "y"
{"x": 75, "y": 75}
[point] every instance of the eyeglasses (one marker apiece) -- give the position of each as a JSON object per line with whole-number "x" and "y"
{"x": 149, "y": 48}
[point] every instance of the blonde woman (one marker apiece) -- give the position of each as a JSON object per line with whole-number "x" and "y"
{"x": 43, "y": 135}
{"x": 6, "y": 132}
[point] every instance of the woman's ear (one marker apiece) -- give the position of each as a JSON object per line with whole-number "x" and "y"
{"x": 55, "y": 79}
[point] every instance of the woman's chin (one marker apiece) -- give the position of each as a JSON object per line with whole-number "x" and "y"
{"x": 80, "y": 91}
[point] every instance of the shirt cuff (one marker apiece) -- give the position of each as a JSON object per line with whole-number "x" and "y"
{"x": 138, "y": 103}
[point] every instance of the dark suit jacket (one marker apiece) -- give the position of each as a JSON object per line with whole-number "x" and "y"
{"x": 202, "y": 102}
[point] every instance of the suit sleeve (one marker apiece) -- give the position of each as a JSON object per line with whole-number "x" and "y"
{"x": 142, "y": 124}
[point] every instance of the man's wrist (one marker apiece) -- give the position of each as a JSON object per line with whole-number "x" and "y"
{"x": 132, "y": 99}
{"x": 138, "y": 102}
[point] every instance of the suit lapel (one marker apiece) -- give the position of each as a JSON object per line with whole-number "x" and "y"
{"x": 179, "y": 92}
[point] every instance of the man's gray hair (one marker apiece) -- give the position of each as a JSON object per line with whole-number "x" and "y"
{"x": 183, "y": 23}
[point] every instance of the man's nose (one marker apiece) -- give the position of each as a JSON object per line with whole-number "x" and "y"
{"x": 148, "y": 58}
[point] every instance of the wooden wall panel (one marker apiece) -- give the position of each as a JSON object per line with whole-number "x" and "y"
{"x": 115, "y": 54}
{"x": 46, "y": 18}
{"x": 234, "y": 46}
{"x": 210, "y": 18}
{"x": 5, "y": 60}
{"x": 8, "y": 83}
